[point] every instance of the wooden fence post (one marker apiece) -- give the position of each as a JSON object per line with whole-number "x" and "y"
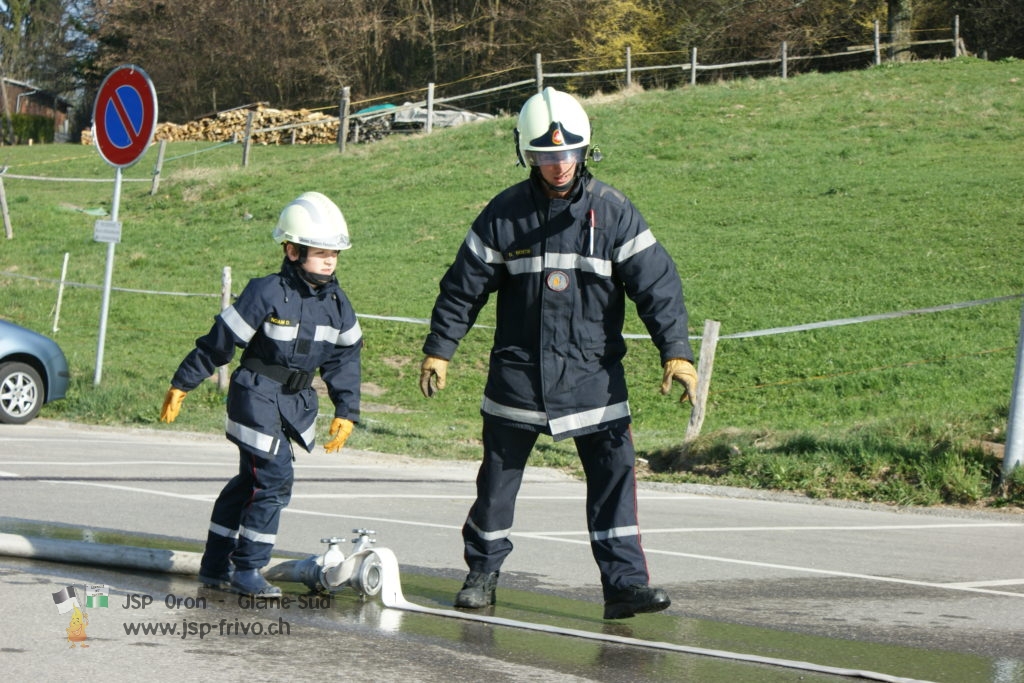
{"x": 8, "y": 230}
{"x": 878, "y": 44}
{"x": 158, "y": 168}
{"x": 708, "y": 344}
{"x": 343, "y": 115}
{"x": 429, "y": 126}
{"x": 785, "y": 64}
{"x": 629, "y": 66}
{"x": 693, "y": 66}
{"x": 247, "y": 143}
{"x": 956, "y": 36}
{"x": 225, "y": 300}
{"x": 538, "y": 72}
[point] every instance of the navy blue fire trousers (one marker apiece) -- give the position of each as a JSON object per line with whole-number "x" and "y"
{"x": 246, "y": 515}
{"x": 608, "y": 460}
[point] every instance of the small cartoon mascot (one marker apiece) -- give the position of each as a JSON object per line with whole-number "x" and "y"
{"x": 76, "y": 631}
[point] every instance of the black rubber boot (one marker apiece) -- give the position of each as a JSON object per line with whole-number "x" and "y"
{"x": 251, "y": 582}
{"x": 635, "y": 599}
{"x": 477, "y": 591}
{"x": 215, "y": 579}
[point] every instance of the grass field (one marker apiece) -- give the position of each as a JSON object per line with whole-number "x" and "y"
{"x": 817, "y": 198}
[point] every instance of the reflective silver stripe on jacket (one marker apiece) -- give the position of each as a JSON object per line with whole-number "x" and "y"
{"x": 617, "y": 532}
{"x": 589, "y": 418}
{"x": 522, "y": 266}
{"x": 280, "y": 332}
{"x": 530, "y": 417}
{"x": 335, "y": 336}
{"x": 256, "y": 536}
{"x": 634, "y": 246}
{"x": 559, "y": 425}
{"x": 257, "y": 441}
{"x": 488, "y": 535}
{"x": 223, "y": 531}
{"x": 586, "y": 264}
{"x": 481, "y": 250}
{"x": 233, "y": 320}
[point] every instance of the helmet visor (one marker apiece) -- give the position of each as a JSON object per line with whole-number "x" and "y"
{"x": 550, "y": 158}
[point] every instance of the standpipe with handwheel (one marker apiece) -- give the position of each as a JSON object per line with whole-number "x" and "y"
{"x": 333, "y": 571}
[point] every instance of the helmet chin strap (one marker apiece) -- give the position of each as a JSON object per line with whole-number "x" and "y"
{"x": 315, "y": 279}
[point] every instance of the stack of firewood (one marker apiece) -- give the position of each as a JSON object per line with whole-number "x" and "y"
{"x": 317, "y": 128}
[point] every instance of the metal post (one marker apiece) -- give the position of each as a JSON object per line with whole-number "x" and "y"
{"x": 693, "y": 66}
{"x": 60, "y": 293}
{"x": 785, "y": 62}
{"x": 629, "y": 66}
{"x": 1014, "y": 453}
{"x": 108, "y": 277}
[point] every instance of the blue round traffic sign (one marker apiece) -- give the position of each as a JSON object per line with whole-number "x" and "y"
{"x": 124, "y": 116}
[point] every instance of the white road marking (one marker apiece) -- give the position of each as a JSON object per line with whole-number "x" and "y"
{"x": 973, "y": 587}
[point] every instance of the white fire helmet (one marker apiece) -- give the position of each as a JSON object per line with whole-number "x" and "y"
{"x": 314, "y": 221}
{"x": 552, "y": 128}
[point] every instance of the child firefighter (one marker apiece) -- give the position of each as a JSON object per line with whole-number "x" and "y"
{"x": 289, "y": 325}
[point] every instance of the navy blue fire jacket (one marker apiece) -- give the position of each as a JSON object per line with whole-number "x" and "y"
{"x": 282, "y": 321}
{"x": 561, "y": 269}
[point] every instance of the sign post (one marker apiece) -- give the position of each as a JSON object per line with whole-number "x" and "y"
{"x": 124, "y": 120}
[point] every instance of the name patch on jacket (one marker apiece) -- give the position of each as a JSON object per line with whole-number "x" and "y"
{"x": 277, "y": 321}
{"x": 512, "y": 254}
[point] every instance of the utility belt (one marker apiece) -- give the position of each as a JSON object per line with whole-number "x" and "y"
{"x": 292, "y": 380}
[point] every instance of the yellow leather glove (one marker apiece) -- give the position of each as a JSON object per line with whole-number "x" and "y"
{"x": 172, "y": 405}
{"x": 433, "y": 375}
{"x": 682, "y": 371}
{"x": 340, "y": 429}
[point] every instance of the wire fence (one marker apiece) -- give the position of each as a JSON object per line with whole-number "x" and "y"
{"x": 226, "y": 294}
{"x": 662, "y": 69}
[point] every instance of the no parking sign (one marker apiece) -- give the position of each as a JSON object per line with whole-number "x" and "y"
{"x": 123, "y": 120}
{"x": 124, "y": 116}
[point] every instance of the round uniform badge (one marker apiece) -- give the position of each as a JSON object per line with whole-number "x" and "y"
{"x": 557, "y": 281}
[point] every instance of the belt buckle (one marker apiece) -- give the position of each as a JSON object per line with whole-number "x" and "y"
{"x": 298, "y": 381}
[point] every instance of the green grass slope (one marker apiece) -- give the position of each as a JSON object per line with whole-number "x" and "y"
{"x": 817, "y": 198}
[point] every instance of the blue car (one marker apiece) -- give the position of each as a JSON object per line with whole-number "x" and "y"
{"x": 33, "y": 371}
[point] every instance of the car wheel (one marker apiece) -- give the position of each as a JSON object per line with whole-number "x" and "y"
{"x": 21, "y": 393}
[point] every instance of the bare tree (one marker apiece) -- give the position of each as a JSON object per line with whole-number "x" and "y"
{"x": 205, "y": 55}
{"x": 900, "y": 17}
{"x": 40, "y": 43}
{"x": 994, "y": 28}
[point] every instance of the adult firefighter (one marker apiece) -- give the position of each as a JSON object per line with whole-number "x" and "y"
{"x": 289, "y": 325}
{"x": 562, "y": 251}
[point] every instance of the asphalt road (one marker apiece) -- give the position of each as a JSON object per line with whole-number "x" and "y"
{"x": 931, "y": 595}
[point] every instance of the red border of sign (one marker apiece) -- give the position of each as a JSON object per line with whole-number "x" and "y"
{"x": 137, "y": 79}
